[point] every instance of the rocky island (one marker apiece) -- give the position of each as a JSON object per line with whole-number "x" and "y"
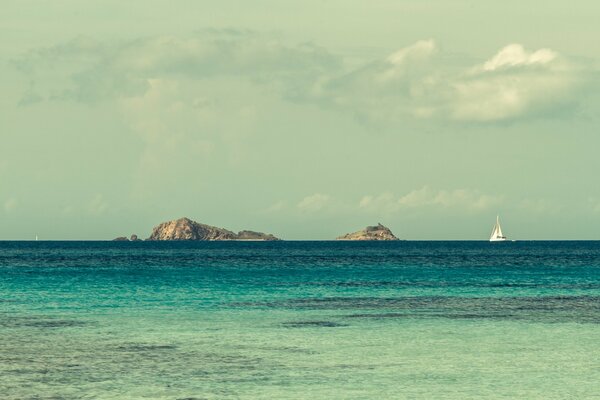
{"x": 378, "y": 232}
{"x": 186, "y": 229}
{"x": 133, "y": 238}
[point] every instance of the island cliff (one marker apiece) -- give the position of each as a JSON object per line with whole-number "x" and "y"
{"x": 186, "y": 229}
{"x": 378, "y": 232}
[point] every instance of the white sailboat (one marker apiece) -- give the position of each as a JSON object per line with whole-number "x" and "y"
{"x": 497, "y": 235}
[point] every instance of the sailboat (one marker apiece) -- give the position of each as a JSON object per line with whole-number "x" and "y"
{"x": 497, "y": 235}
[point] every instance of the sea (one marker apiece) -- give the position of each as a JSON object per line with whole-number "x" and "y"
{"x": 300, "y": 320}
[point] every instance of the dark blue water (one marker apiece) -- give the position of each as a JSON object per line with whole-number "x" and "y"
{"x": 281, "y": 319}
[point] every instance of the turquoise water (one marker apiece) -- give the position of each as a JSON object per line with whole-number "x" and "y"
{"x": 279, "y": 320}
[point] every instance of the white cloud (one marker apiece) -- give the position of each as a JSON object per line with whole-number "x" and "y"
{"x": 385, "y": 89}
{"x": 515, "y": 55}
{"x": 418, "y": 81}
{"x": 512, "y": 84}
{"x": 399, "y": 63}
{"x": 314, "y": 203}
{"x": 385, "y": 202}
{"x": 418, "y": 51}
{"x": 541, "y": 206}
{"x": 471, "y": 200}
{"x": 275, "y": 207}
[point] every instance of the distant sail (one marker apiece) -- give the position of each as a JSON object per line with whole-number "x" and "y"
{"x": 497, "y": 235}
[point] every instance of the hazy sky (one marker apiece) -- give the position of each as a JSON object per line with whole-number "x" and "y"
{"x": 306, "y": 119}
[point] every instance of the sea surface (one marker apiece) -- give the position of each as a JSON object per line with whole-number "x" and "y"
{"x": 299, "y": 320}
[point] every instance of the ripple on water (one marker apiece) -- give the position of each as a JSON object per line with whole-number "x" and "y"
{"x": 309, "y": 324}
{"x": 551, "y": 309}
{"x": 144, "y": 347}
{"x": 42, "y": 322}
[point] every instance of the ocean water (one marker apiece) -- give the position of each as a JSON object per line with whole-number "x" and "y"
{"x": 299, "y": 320}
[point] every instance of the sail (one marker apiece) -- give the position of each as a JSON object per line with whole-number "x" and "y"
{"x": 494, "y": 232}
{"x": 499, "y": 229}
{"x": 497, "y": 232}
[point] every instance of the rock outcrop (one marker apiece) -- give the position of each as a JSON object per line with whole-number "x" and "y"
{"x": 186, "y": 229}
{"x": 133, "y": 238}
{"x": 378, "y": 232}
{"x": 251, "y": 235}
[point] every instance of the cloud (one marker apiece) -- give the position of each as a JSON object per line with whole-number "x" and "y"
{"x": 422, "y": 82}
{"x": 383, "y": 90}
{"x": 470, "y": 200}
{"x": 314, "y": 203}
{"x": 275, "y": 207}
{"x": 194, "y": 102}
{"x": 190, "y": 128}
{"x": 515, "y": 55}
{"x": 416, "y": 81}
{"x": 512, "y": 84}
{"x": 87, "y": 70}
{"x": 541, "y": 206}
{"x": 419, "y": 51}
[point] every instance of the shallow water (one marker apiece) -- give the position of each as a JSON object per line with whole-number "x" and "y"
{"x": 417, "y": 320}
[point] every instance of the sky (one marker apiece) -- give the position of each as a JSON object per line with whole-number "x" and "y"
{"x": 306, "y": 119}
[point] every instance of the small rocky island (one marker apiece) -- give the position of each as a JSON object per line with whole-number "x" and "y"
{"x": 133, "y": 238}
{"x": 378, "y": 232}
{"x": 186, "y": 229}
